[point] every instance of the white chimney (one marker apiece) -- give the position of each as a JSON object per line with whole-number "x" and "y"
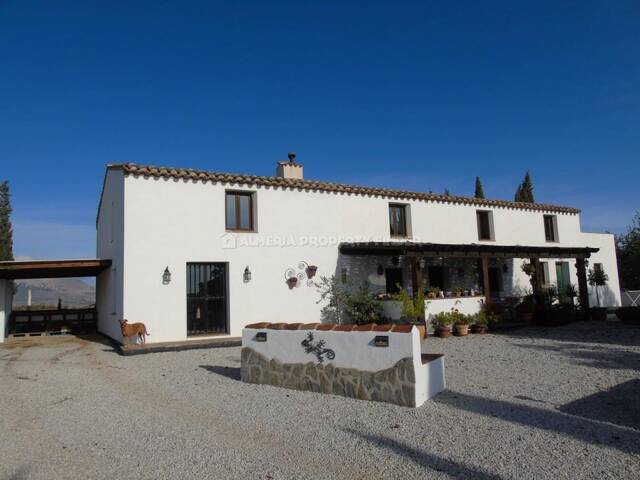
{"x": 289, "y": 169}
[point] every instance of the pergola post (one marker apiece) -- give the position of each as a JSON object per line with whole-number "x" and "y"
{"x": 485, "y": 279}
{"x": 536, "y": 278}
{"x": 416, "y": 281}
{"x": 583, "y": 292}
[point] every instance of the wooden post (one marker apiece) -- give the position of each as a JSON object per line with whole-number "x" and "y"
{"x": 416, "y": 280}
{"x": 485, "y": 279}
{"x": 583, "y": 292}
{"x": 536, "y": 278}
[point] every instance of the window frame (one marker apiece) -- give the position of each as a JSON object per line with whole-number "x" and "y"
{"x": 252, "y": 221}
{"x": 492, "y": 235}
{"x": 554, "y": 228}
{"x": 405, "y": 218}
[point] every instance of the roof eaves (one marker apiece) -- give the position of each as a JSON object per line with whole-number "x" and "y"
{"x": 314, "y": 185}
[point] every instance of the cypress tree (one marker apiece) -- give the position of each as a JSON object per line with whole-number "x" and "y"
{"x": 527, "y": 189}
{"x": 446, "y": 192}
{"x": 479, "y": 191}
{"x": 518, "y": 195}
{"x": 6, "y": 232}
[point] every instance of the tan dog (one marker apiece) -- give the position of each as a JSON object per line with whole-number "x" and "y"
{"x": 132, "y": 330}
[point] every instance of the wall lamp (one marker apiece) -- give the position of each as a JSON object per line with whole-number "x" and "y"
{"x": 246, "y": 276}
{"x": 166, "y": 276}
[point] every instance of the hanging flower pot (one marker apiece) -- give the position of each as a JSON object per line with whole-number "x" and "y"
{"x": 311, "y": 271}
{"x": 292, "y": 282}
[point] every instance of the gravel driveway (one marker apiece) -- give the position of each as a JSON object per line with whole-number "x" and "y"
{"x": 533, "y": 403}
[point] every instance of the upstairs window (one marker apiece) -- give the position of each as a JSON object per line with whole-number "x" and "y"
{"x": 398, "y": 220}
{"x": 550, "y": 228}
{"x": 485, "y": 225}
{"x": 239, "y": 211}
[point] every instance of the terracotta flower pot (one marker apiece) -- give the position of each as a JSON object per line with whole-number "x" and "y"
{"x": 443, "y": 332}
{"x": 461, "y": 330}
{"x": 292, "y": 282}
{"x": 311, "y": 271}
{"x": 479, "y": 329}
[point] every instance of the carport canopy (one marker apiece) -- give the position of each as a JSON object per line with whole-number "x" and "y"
{"x": 53, "y": 268}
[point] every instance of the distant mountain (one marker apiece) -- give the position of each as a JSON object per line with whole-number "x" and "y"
{"x": 72, "y": 291}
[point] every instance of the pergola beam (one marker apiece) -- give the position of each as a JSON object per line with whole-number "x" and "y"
{"x": 464, "y": 250}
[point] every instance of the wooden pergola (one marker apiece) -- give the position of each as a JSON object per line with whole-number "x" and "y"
{"x": 416, "y": 250}
{"x": 52, "y": 268}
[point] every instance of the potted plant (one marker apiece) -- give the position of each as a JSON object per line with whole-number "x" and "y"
{"x": 570, "y": 293}
{"x": 413, "y": 309}
{"x": 461, "y": 323}
{"x": 482, "y": 320}
{"x": 442, "y": 324}
{"x": 457, "y": 291}
{"x": 598, "y": 278}
{"x": 524, "y": 310}
{"x": 433, "y": 292}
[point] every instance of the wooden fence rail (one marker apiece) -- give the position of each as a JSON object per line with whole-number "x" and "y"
{"x": 51, "y": 322}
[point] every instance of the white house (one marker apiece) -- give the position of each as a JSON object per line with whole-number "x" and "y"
{"x": 230, "y": 243}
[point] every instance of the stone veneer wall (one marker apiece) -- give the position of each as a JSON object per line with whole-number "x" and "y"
{"x": 392, "y": 385}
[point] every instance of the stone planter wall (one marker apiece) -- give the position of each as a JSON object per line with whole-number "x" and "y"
{"x": 343, "y": 360}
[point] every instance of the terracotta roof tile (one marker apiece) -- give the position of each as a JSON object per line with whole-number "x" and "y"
{"x": 309, "y": 185}
{"x": 369, "y": 327}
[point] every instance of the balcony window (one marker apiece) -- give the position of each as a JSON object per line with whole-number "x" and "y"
{"x": 550, "y": 228}
{"x": 398, "y": 220}
{"x": 239, "y": 211}
{"x": 485, "y": 225}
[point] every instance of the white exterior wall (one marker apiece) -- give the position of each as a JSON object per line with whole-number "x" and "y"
{"x": 110, "y": 245}
{"x": 6, "y": 297}
{"x": 169, "y": 222}
{"x": 610, "y": 294}
{"x": 468, "y": 305}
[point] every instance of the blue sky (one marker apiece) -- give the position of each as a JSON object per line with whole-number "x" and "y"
{"x": 416, "y": 95}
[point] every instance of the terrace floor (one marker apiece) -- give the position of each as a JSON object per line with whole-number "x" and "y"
{"x": 530, "y": 403}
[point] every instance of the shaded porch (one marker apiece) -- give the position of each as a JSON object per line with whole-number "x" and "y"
{"x": 476, "y": 269}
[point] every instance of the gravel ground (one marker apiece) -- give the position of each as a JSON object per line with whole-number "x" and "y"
{"x": 529, "y": 404}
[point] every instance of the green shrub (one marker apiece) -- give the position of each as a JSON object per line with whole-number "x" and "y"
{"x": 412, "y": 308}
{"x": 361, "y": 307}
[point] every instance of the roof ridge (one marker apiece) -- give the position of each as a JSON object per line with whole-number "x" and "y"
{"x": 207, "y": 175}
